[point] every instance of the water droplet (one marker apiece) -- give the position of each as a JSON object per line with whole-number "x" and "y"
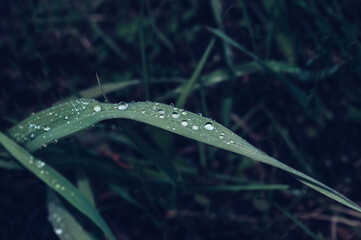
{"x": 184, "y": 123}
{"x": 47, "y": 128}
{"x": 122, "y": 106}
{"x": 184, "y": 113}
{"x": 161, "y": 116}
{"x": 32, "y": 135}
{"x": 40, "y": 164}
{"x": 143, "y": 111}
{"x": 175, "y": 115}
{"x": 230, "y": 142}
{"x": 221, "y": 136}
{"x": 209, "y": 126}
{"x": 195, "y": 127}
{"x": 58, "y": 231}
{"x": 161, "y": 111}
{"x": 97, "y": 108}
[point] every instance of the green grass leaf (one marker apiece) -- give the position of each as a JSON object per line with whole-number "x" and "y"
{"x": 82, "y": 113}
{"x": 191, "y": 83}
{"x": 298, "y": 222}
{"x": 65, "y": 226}
{"x": 55, "y": 181}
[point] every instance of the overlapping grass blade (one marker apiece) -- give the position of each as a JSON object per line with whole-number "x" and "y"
{"x": 10, "y": 165}
{"x": 84, "y": 187}
{"x": 298, "y": 94}
{"x": 56, "y": 181}
{"x": 190, "y": 84}
{"x": 67, "y": 118}
{"x": 65, "y": 226}
{"x": 163, "y": 164}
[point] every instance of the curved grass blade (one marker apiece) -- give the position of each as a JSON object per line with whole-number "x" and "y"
{"x": 65, "y": 226}
{"x": 56, "y": 181}
{"x": 83, "y": 113}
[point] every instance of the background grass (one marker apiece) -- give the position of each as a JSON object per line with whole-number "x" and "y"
{"x": 305, "y": 110}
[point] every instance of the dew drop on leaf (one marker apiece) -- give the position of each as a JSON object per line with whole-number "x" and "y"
{"x": 47, "y": 128}
{"x": 58, "y": 231}
{"x": 122, "y": 106}
{"x": 209, "y": 126}
{"x": 195, "y": 127}
{"x": 97, "y": 108}
{"x": 175, "y": 115}
{"x": 184, "y": 123}
{"x": 40, "y": 164}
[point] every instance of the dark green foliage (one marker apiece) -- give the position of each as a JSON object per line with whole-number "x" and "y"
{"x": 285, "y": 75}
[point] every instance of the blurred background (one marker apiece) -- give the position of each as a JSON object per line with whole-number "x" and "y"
{"x": 304, "y": 109}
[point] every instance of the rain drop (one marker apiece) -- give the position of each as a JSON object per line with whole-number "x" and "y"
{"x": 122, "y": 106}
{"x": 209, "y": 126}
{"x": 175, "y": 115}
{"x": 161, "y": 111}
{"x": 161, "y": 116}
{"x": 40, "y": 164}
{"x": 47, "y": 128}
{"x": 97, "y": 108}
{"x": 58, "y": 231}
{"x": 195, "y": 127}
{"x": 184, "y": 123}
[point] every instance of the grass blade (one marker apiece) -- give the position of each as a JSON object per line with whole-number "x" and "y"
{"x": 66, "y": 227}
{"x": 190, "y": 85}
{"x": 55, "y": 181}
{"x": 143, "y": 53}
{"x": 83, "y": 113}
{"x": 160, "y": 161}
{"x": 296, "y": 221}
